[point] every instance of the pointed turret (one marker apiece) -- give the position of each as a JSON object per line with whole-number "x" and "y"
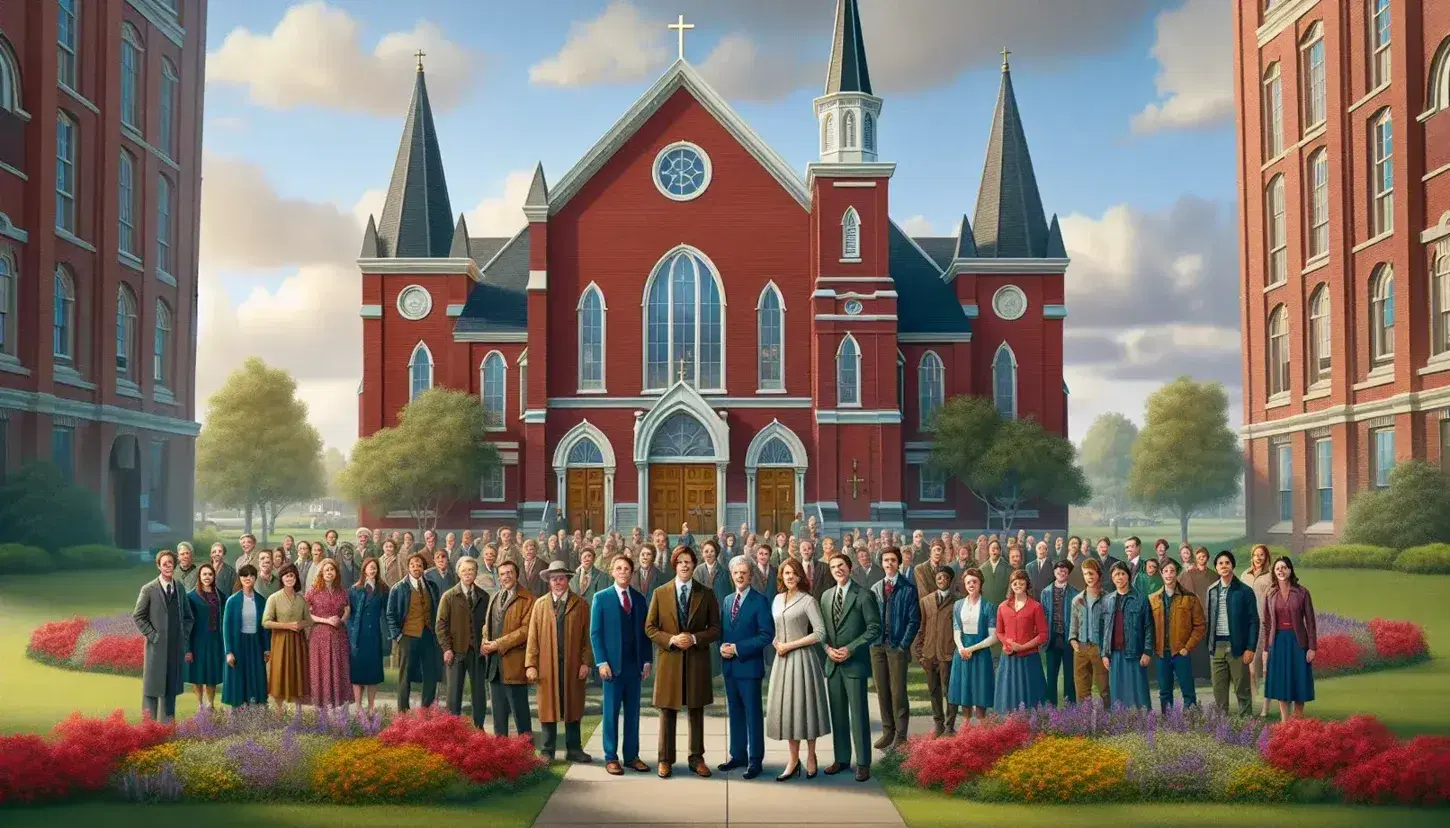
{"x": 848, "y": 111}
{"x": 536, "y": 204}
{"x": 417, "y": 220}
{"x": 370, "y": 248}
{"x": 966, "y": 241}
{"x": 459, "y": 249}
{"x": 847, "y": 71}
{"x": 1055, "y": 248}
{"x": 1009, "y": 221}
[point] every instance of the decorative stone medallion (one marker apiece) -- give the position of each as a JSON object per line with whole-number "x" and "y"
{"x": 853, "y": 307}
{"x": 1009, "y": 303}
{"x": 414, "y": 302}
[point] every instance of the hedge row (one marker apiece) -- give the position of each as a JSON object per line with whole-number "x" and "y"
{"x": 1432, "y": 559}
{"x": 17, "y": 558}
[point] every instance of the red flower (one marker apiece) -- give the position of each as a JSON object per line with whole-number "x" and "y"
{"x": 950, "y": 762}
{"x": 1320, "y": 749}
{"x": 125, "y": 654}
{"x": 28, "y": 772}
{"x": 56, "y": 640}
{"x": 1397, "y": 640}
{"x": 1414, "y": 773}
{"x": 82, "y": 757}
{"x": 1338, "y": 652}
{"x": 481, "y": 757}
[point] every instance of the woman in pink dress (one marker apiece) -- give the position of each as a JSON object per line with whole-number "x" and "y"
{"x": 327, "y": 647}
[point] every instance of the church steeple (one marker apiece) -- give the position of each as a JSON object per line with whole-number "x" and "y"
{"x": 848, "y": 112}
{"x": 1009, "y": 222}
{"x": 417, "y": 220}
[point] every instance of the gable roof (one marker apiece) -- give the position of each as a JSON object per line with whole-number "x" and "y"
{"x": 498, "y": 302}
{"x": 924, "y": 303}
{"x": 680, "y": 75}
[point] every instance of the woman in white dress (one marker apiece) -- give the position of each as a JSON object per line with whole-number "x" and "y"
{"x": 796, "y": 708}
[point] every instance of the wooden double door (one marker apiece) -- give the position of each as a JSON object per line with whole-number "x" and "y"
{"x": 584, "y": 501}
{"x": 774, "y": 500}
{"x": 682, "y": 493}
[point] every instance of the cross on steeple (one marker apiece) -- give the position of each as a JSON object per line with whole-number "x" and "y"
{"x": 420, "y": 54}
{"x": 680, "y": 26}
{"x": 855, "y": 480}
{"x": 1005, "y": 53}
{"x": 682, "y": 369}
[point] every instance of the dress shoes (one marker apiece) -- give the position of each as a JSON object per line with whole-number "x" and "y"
{"x": 885, "y": 740}
{"x": 751, "y": 772}
{"x": 863, "y": 773}
{"x": 547, "y": 757}
{"x": 637, "y": 765}
{"x": 700, "y": 769}
{"x": 726, "y": 767}
{"x": 938, "y": 732}
{"x": 899, "y": 744}
{"x": 578, "y": 757}
{"x": 835, "y": 768}
{"x": 666, "y": 770}
{"x": 614, "y": 768}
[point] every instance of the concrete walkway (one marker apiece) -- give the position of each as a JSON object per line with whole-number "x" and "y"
{"x": 588, "y": 795}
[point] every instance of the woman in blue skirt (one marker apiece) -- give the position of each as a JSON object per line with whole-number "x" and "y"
{"x": 1289, "y": 636}
{"x": 974, "y": 626}
{"x": 1022, "y": 628}
{"x": 367, "y": 600}
{"x": 204, "y": 651}
{"x": 247, "y": 643}
{"x": 1127, "y": 640}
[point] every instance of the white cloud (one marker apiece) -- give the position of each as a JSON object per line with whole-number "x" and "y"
{"x": 369, "y": 204}
{"x": 1194, "y": 50}
{"x": 918, "y": 226}
{"x": 740, "y": 71}
{"x": 246, "y": 223}
{"x": 502, "y": 214}
{"x": 315, "y": 57}
{"x": 619, "y": 46}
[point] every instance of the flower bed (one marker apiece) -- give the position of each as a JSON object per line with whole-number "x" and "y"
{"x": 108, "y": 644}
{"x": 1348, "y": 645}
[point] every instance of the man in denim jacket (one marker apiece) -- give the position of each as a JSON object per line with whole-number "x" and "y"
{"x": 896, "y": 595}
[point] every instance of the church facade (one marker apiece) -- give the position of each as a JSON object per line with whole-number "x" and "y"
{"x": 689, "y": 331}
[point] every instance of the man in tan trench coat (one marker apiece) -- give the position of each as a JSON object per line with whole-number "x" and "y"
{"x": 683, "y": 621}
{"x": 557, "y": 659}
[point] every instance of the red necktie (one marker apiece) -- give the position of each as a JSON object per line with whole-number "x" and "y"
{"x": 735, "y": 610}
{"x": 889, "y": 587}
{"x": 625, "y": 596}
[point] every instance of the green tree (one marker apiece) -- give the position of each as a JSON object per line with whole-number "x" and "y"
{"x": 333, "y": 462}
{"x": 1413, "y": 511}
{"x": 1186, "y": 457}
{"x": 1107, "y": 457}
{"x": 1006, "y": 463}
{"x": 257, "y": 450}
{"x": 431, "y": 460}
{"x": 41, "y": 506}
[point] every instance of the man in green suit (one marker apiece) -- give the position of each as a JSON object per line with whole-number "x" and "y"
{"x": 853, "y": 622}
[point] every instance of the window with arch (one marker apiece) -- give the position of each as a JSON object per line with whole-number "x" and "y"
{"x": 63, "y": 320}
{"x": 1382, "y": 173}
{"x": 828, "y": 132}
{"x": 66, "y": 29}
{"x": 684, "y": 325}
{"x": 1273, "y": 112}
{"x": 591, "y": 339}
{"x": 131, "y": 49}
{"x": 164, "y": 226}
{"x": 776, "y": 453}
{"x": 1311, "y": 72}
{"x": 681, "y": 435}
{"x": 10, "y": 85}
{"x": 66, "y": 136}
{"x": 126, "y": 198}
{"x": 851, "y": 235}
{"x": 492, "y": 382}
{"x": 7, "y": 302}
{"x": 868, "y": 132}
{"x": 1279, "y": 351}
{"x": 1379, "y": 43}
{"x": 420, "y": 371}
{"x": 931, "y": 387}
{"x": 170, "y": 91}
{"x": 848, "y": 372}
{"x": 1382, "y": 315}
{"x": 900, "y": 382}
{"x": 848, "y": 130}
{"x": 1004, "y": 382}
{"x": 1319, "y": 327}
{"x": 126, "y": 333}
{"x": 585, "y": 453}
{"x": 770, "y": 328}
{"x": 161, "y": 347}
{"x": 1440, "y": 300}
{"x": 1278, "y": 233}
{"x": 1318, "y": 203}
{"x": 1440, "y": 79}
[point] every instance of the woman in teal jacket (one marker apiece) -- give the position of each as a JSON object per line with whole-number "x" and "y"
{"x": 247, "y": 643}
{"x": 1126, "y": 638}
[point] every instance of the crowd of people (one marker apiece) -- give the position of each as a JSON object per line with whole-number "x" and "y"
{"x": 799, "y": 626}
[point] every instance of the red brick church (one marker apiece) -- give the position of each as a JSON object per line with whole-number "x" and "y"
{"x": 688, "y": 330}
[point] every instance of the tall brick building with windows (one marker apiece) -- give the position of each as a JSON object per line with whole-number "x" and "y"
{"x": 1344, "y": 138}
{"x": 100, "y": 176}
{"x": 688, "y": 330}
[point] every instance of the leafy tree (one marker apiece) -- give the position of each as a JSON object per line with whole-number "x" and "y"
{"x": 1413, "y": 511}
{"x": 333, "y": 462}
{"x": 431, "y": 460}
{"x": 1006, "y": 463}
{"x": 257, "y": 449}
{"x": 1186, "y": 457}
{"x": 40, "y": 506}
{"x": 1107, "y": 457}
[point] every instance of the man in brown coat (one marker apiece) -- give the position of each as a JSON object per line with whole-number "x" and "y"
{"x": 461, "y": 614}
{"x": 935, "y": 645}
{"x": 505, "y": 634}
{"x": 558, "y": 658}
{"x": 683, "y": 621}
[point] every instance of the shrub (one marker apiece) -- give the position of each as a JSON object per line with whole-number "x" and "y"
{"x": 949, "y": 763}
{"x": 1337, "y": 654}
{"x": 54, "y": 642}
{"x": 19, "y": 559}
{"x": 1181, "y": 766}
{"x": 1430, "y": 559}
{"x": 1414, "y": 773}
{"x": 1414, "y": 510}
{"x": 81, "y": 757}
{"x": 1258, "y": 782}
{"x": 1348, "y": 556}
{"x": 94, "y": 556}
{"x": 355, "y": 771}
{"x": 1058, "y": 769}
{"x": 1086, "y": 719}
{"x": 40, "y": 506}
{"x": 27, "y": 772}
{"x": 1397, "y": 640}
{"x": 257, "y": 720}
{"x": 481, "y": 758}
{"x": 121, "y": 654}
{"x": 1317, "y": 748}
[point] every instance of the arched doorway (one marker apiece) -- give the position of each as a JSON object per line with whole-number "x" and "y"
{"x": 775, "y": 474}
{"x": 584, "y": 469}
{"x": 681, "y": 449}
{"x": 124, "y": 467}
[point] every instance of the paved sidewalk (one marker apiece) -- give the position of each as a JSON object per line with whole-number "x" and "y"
{"x": 590, "y": 796}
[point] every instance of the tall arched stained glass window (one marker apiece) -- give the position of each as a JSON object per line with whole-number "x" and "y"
{"x": 1004, "y": 382}
{"x": 684, "y": 325}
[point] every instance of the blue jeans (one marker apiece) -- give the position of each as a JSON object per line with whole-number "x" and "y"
{"x": 1172, "y": 666}
{"x": 622, "y": 691}
{"x": 1060, "y": 659}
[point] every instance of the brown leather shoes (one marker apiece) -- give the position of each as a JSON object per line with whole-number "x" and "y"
{"x": 700, "y": 769}
{"x": 835, "y": 768}
{"x": 863, "y": 773}
{"x": 614, "y": 768}
{"x": 637, "y": 765}
{"x": 666, "y": 771}
{"x": 884, "y": 741}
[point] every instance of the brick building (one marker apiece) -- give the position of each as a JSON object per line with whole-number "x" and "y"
{"x": 687, "y": 330}
{"x": 100, "y": 174}
{"x": 1346, "y": 252}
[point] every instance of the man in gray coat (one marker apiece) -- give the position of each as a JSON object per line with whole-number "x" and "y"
{"x": 163, "y": 615}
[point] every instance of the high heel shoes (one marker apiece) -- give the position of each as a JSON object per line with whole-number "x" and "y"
{"x": 811, "y": 774}
{"x": 786, "y": 777}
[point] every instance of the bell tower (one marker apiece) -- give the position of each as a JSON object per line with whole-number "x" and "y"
{"x": 848, "y": 114}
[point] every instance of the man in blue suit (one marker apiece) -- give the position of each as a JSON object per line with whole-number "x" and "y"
{"x": 746, "y": 630}
{"x": 623, "y": 654}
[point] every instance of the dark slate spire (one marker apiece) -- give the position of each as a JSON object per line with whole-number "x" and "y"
{"x": 966, "y": 240}
{"x": 370, "y": 249}
{"x": 417, "y": 219}
{"x": 458, "y": 249}
{"x": 847, "y": 72}
{"x": 1009, "y": 222}
{"x": 538, "y": 189}
{"x": 1055, "y": 248}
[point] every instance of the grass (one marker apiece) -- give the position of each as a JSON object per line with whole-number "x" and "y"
{"x": 1201, "y": 532}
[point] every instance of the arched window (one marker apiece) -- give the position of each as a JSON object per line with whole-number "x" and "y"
{"x": 66, "y": 29}
{"x": 492, "y": 382}
{"x": 163, "y": 224}
{"x": 125, "y": 333}
{"x": 7, "y": 302}
{"x": 1440, "y": 307}
{"x": 851, "y": 235}
{"x": 868, "y": 132}
{"x": 1319, "y": 327}
{"x": 420, "y": 371}
{"x": 1318, "y": 203}
{"x": 848, "y": 373}
{"x": 591, "y": 339}
{"x": 126, "y": 195}
{"x": 848, "y": 130}
{"x": 931, "y": 387}
{"x": 64, "y": 315}
{"x": 775, "y": 453}
{"x": 66, "y": 137}
{"x": 828, "y": 133}
{"x": 1278, "y": 233}
{"x": 131, "y": 49}
{"x": 1279, "y": 351}
{"x": 1439, "y": 85}
{"x": 585, "y": 453}
{"x": 160, "y": 365}
{"x": 681, "y": 435}
{"x": 684, "y": 324}
{"x": 170, "y": 89}
{"x": 1382, "y": 315}
{"x": 1379, "y": 43}
{"x": 1382, "y": 166}
{"x": 1004, "y": 382}
{"x": 1311, "y": 70}
{"x": 770, "y": 324}
{"x": 10, "y": 85}
{"x": 1273, "y": 112}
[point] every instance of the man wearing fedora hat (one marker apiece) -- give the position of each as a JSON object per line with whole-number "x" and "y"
{"x": 557, "y": 659}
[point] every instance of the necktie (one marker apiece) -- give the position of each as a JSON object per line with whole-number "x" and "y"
{"x": 735, "y": 611}
{"x": 839, "y": 608}
{"x": 624, "y": 601}
{"x": 684, "y": 605}
{"x": 890, "y": 585}
{"x": 941, "y": 600}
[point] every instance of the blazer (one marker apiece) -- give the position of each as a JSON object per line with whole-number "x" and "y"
{"x": 763, "y": 583}
{"x": 151, "y": 621}
{"x": 459, "y": 629}
{"x": 923, "y": 577}
{"x": 860, "y": 625}
{"x": 364, "y": 609}
{"x": 868, "y": 577}
{"x": 1243, "y": 617}
{"x": 1045, "y": 598}
{"x": 820, "y": 579}
{"x": 609, "y": 627}
{"x": 647, "y": 586}
{"x": 683, "y": 678}
{"x": 904, "y": 613}
{"x": 934, "y": 640}
{"x": 720, "y": 584}
{"x": 752, "y": 631}
{"x": 1301, "y": 614}
{"x": 1186, "y": 630}
{"x": 533, "y": 581}
{"x": 507, "y": 663}
{"x": 232, "y": 622}
{"x": 1137, "y": 625}
{"x": 399, "y": 597}
{"x": 1039, "y": 574}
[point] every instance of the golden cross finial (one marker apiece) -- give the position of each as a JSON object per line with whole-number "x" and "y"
{"x": 682, "y": 369}
{"x": 855, "y": 480}
{"x": 1005, "y": 53}
{"x": 680, "y": 26}
{"x": 420, "y": 54}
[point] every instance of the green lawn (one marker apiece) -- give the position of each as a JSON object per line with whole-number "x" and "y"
{"x": 1209, "y": 532}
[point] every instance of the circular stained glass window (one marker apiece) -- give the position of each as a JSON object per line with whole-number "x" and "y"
{"x": 853, "y": 307}
{"x": 682, "y": 171}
